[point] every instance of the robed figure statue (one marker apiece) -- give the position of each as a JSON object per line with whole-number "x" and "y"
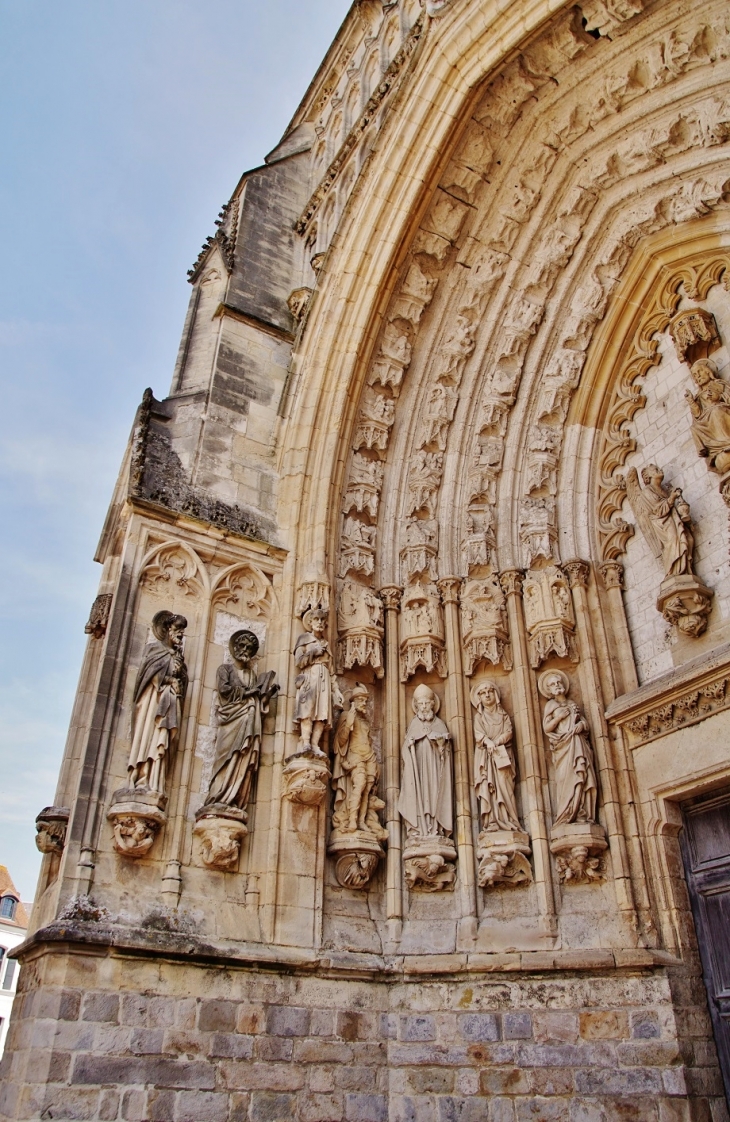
{"x": 316, "y": 684}
{"x": 159, "y": 693}
{"x": 710, "y": 408}
{"x": 494, "y": 764}
{"x": 426, "y": 796}
{"x": 567, "y": 734}
{"x": 664, "y": 518}
{"x": 243, "y": 700}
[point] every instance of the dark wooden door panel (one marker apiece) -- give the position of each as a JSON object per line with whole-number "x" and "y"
{"x": 706, "y": 853}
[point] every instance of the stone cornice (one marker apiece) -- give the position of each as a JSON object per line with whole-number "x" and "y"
{"x": 101, "y": 939}
{"x": 675, "y": 700}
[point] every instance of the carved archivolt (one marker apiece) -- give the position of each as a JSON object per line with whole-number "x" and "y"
{"x": 173, "y": 566}
{"x": 618, "y": 441}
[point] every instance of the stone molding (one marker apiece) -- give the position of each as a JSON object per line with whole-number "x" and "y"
{"x": 676, "y": 700}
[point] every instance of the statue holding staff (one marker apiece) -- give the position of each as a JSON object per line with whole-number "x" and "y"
{"x": 159, "y": 693}
{"x": 316, "y": 684}
{"x": 426, "y": 797}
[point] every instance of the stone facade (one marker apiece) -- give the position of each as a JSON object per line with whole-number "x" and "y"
{"x": 440, "y": 445}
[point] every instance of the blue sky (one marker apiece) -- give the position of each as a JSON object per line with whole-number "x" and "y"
{"x": 124, "y": 125}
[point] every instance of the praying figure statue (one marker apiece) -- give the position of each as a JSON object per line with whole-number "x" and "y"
{"x": 159, "y": 693}
{"x": 356, "y": 772}
{"x": 494, "y": 764}
{"x": 664, "y": 518}
{"x": 243, "y": 700}
{"x": 567, "y": 734}
{"x": 426, "y": 798}
{"x": 317, "y": 690}
{"x": 710, "y": 409}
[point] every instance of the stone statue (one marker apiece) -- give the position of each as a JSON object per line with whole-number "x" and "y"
{"x": 494, "y": 765}
{"x": 567, "y": 733}
{"x": 710, "y": 408}
{"x": 316, "y": 684}
{"x": 356, "y": 831}
{"x": 664, "y": 519}
{"x": 243, "y": 699}
{"x": 426, "y": 799}
{"x": 356, "y": 772}
{"x": 502, "y": 845}
{"x": 159, "y": 693}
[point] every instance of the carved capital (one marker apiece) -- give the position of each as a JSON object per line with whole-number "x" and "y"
{"x": 612, "y": 574}
{"x": 391, "y": 597}
{"x": 578, "y": 573}
{"x": 511, "y": 581}
{"x": 450, "y": 587}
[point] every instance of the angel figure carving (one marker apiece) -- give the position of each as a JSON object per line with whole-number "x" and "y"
{"x": 664, "y": 519}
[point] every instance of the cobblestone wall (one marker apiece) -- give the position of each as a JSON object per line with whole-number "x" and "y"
{"x": 119, "y": 1038}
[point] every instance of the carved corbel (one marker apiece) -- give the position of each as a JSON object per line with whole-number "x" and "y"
{"x": 51, "y": 825}
{"x": 694, "y": 334}
{"x": 99, "y": 615}
{"x": 306, "y": 779}
{"x": 220, "y": 835}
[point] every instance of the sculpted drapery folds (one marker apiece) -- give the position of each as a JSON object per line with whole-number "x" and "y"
{"x": 567, "y": 734}
{"x": 159, "y": 693}
{"x": 426, "y": 798}
{"x": 243, "y": 699}
{"x": 316, "y": 684}
{"x": 494, "y": 765}
{"x": 664, "y": 518}
{"x": 710, "y": 408}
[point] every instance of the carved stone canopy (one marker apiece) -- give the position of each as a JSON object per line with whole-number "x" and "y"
{"x": 484, "y": 624}
{"x": 694, "y": 334}
{"x": 549, "y": 615}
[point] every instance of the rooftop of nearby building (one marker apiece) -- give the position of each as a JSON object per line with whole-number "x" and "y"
{"x": 13, "y": 912}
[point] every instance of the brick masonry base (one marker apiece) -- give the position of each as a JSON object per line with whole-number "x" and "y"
{"x": 115, "y": 1036}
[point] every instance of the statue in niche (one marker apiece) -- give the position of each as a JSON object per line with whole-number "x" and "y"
{"x": 316, "y": 684}
{"x": 502, "y": 845}
{"x": 426, "y": 796}
{"x": 494, "y": 765}
{"x": 567, "y": 734}
{"x": 159, "y": 693}
{"x": 426, "y": 792}
{"x": 243, "y": 699}
{"x": 710, "y": 408}
{"x": 356, "y": 831}
{"x": 356, "y": 772}
{"x": 664, "y": 518}
{"x": 665, "y": 521}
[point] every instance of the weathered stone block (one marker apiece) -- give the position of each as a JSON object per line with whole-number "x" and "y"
{"x": 231, "y": 1045}
{"x": 146, "y": 1041}
{"x": 268, "y": 1107}
{"x": 272, "y": 1048}
{"x": 478, "y": 1026}
{"x": 201, "y": 1106}
{"x": 100, "y": 1007}
{"x": 413, "y": 1028}
{"x": 608, "y": 1024}
{"x": 516, "y": 1026}
{"x": 366, "y": 1108}
{"x": 217, "y": 1016}
{"x": 285, "y": 1020}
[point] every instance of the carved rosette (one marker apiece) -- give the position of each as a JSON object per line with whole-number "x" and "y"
{"x": 306, "y": 779}
{"x": 578, "y": 848}
{"x": 502, "y": 858}
{"x": 359, "y": 628}
{"x": 422, "y": 631}
{"x": 549, "y": 616}
{"x": 136, "y": 816}
{"x": 220, "y": 830}
{"x": 51, "y": 825}
{"x": 484, "y": 624}
{"x": 685, "y": 603}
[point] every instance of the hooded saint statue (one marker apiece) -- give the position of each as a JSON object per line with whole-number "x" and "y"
{"x": 159, "y": 693}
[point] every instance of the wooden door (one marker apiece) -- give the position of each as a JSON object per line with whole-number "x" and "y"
{"x": 706, "y": 853}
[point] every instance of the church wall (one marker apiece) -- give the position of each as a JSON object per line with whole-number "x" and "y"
{"x": 115, "y": 1036}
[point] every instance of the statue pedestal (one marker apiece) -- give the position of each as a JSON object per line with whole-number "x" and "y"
{"x": 307, "y": 778}
{"x": 578, "y": 847}
{"x": 502, "y": 857}
{"x": 429, "y": 863}
{"x": 220, "y": 829}
{"x": 685, "y": 602}
{"x": 357, "y": 855}
{"x": 136, "y": 815}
